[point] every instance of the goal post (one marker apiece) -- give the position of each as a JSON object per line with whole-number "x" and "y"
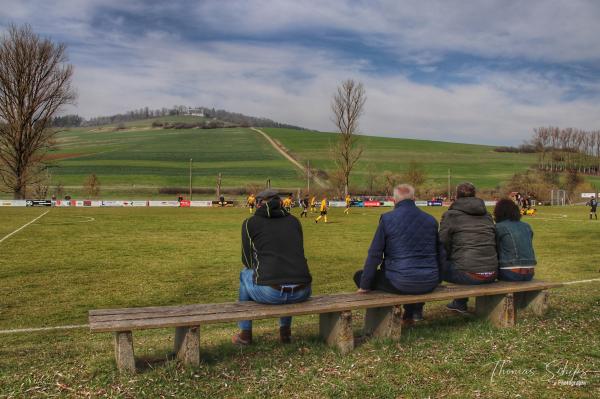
{"x": 558, "y": 197}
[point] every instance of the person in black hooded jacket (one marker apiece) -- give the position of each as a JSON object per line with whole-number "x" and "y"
{"x": 275, "y": 269}
{"x": 469, "y": 236}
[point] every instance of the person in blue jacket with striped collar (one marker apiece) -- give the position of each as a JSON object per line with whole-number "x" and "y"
{"x": 405, "y": 255}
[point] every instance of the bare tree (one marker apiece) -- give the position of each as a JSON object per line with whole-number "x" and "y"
{"x": 372, "y": 178}
{"x": 91, "y": 186}
{"x": 347, "y": 106}
{"x": 41, "y": 187}
{"x": 35, "y": 82}
{"x": 59, "y": 190}
{"x": 390, "y": 180}
{"x": 415, "y": 175}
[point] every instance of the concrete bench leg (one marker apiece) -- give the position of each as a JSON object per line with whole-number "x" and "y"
{"x": 499, "y": 309}
{"x": 124, "y": 352}
{"x": 536, "y": 301}
{"x": 336, "y": 330}
{"x": 384, "y": 322}
{"x": 187, "y": 345}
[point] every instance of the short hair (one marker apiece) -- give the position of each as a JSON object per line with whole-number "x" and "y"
{"x": 404, "y": 191}
{"x": 506, "y": 209}
{"x": 465, "y": 189}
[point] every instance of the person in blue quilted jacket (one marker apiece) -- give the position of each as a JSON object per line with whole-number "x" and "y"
{"x": 406, "y": 255}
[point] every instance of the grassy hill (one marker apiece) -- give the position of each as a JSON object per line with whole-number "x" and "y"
{"x": 476, "y": 163}
{"x": 137, "y": 160}
{"x": 143, "y": 160}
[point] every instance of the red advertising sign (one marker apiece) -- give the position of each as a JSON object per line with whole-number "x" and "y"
{"x": 184, "y": 203}
{"x": 371, "y": 203}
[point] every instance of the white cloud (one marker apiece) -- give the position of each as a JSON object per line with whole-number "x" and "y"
{"x": 535, "y": 29}
{"x": 252, "y": 79}
{"x": 293, "y": 83}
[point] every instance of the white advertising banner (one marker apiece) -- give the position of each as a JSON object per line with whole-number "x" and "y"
{"x": 201, "y": 203}
{"x": 337, "y": 204}
{"x": 388, "y": 203}
{"x": 112, "y": 203}
{"x": 135, "y": 203}
{"x": 588, "y": 195}
{"x": 490, "y": 203}
{"x": 13, "y": 203}
{"x": 62, "y": 203}
{"x": 164, "y": 203}
{"x": 421, "y": 203}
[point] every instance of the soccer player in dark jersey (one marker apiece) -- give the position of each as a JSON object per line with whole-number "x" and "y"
{"x": 593, "y": 204}
{"x": 304, "y": 204}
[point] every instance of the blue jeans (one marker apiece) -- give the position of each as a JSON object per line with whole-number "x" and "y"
{"x": 452, "y": 275}
{"x": 507, "y": 275}
{"x": 249, "y": 291}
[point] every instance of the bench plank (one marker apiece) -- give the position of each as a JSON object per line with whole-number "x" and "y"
{"x": 126, "y": 319}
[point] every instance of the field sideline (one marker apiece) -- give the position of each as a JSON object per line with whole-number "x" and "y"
{"x": 75, "y": 259}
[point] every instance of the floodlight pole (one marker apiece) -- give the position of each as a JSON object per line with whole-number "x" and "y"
{"x": 190, "y": 179}
{"x": 448, "y": 184}
{"x": 219, "y": 185}
{"x": 308, "y": 176}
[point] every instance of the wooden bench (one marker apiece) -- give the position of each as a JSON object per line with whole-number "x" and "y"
{"x": 498, "y": 302}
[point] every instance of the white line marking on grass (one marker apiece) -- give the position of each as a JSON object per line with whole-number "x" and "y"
{"x": 22, "y": 227}
{"x": 27, "y": 330}
{"x": 581, "y": 281}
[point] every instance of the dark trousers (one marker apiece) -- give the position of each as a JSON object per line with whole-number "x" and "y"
{"x": 381, "y": 283}
{"x": 452, "y": 275}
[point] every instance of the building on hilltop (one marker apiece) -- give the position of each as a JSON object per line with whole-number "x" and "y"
{"x": 195, "y": 111}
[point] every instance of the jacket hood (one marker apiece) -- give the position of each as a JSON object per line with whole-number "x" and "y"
{"x": 470, "y": 205}
{"x": 271, "y": 209}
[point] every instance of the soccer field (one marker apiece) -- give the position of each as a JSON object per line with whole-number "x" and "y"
{"x": 75, "y": 259}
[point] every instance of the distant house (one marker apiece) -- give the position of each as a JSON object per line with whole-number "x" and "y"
{"x": 195, "y": 111}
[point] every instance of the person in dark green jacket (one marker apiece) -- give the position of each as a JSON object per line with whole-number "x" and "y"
{"x": 514, "y": 243}
{"x": 469, "y": 236}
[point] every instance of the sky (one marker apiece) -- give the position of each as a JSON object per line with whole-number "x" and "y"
{"x": 468, "y": 71}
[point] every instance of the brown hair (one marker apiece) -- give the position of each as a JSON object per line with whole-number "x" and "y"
{"x": 506, "y": 209}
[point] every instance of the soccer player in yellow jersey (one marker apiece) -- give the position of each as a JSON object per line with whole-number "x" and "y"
{"x": 287, "y": 204}
{"x": 313, "y": 204}
{"x": 323, "y": 209}
{"x": 251, "y": 201}
{"x": 348, "y": 201}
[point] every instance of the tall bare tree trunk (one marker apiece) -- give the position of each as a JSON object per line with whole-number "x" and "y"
{"x": 35, "y": 82}
{"x": 347, "y": 106}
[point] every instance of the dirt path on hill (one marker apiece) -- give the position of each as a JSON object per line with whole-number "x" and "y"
{"x": 287, "y": 156}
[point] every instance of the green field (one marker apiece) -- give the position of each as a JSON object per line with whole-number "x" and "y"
{"x": 141, "y": 161}
{"x": 76, "y": 259}
{"x": 476, "y": 163}
{"x": 138, "y": 160}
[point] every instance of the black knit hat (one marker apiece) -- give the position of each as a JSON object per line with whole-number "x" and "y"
{"x": 267, "y": 194}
